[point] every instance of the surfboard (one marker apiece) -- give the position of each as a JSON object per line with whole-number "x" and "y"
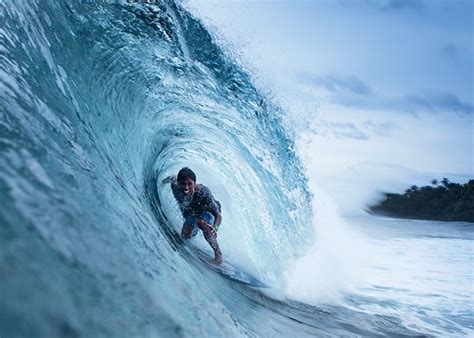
{"x": 228, "y": 270}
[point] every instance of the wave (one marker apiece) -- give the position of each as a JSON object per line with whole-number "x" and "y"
{"x": 100, "y": 102}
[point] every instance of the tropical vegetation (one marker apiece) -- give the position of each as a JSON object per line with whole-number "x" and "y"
{"x": 442, "y": 201}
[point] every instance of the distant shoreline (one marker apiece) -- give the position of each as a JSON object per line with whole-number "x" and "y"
{"x": 445, "y": 201}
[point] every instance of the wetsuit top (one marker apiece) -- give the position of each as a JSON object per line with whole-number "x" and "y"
{"x": 201, "y": 201}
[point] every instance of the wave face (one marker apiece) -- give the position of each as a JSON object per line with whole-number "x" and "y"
{"x": 99, "y": 103}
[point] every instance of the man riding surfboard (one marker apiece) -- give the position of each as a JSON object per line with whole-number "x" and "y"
{"x": 199, "y": 208}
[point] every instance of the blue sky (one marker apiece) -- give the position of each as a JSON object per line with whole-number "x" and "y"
{"x": 378, "y": 93}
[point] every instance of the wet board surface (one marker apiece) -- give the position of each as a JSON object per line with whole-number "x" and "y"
{"x": 228, "y": 270}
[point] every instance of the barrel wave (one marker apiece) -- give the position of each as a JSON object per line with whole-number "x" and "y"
{"x": 100, "y": 102}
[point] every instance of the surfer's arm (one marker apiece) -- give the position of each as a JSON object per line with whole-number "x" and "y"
{"x": 168, "y": 179}
{"x": 218, "y": 217}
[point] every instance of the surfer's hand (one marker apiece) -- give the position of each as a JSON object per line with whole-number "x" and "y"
{"x": 207, "y": 228}
{"x": 167, "y": 180}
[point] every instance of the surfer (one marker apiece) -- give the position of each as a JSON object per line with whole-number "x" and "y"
{"x": 199, "y": 208}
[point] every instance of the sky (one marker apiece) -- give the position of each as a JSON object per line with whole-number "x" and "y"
{"x": 379, "y": 94}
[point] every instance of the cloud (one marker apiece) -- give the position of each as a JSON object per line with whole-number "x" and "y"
{"x": 350, "y": 91}
{"x": 342, "y": 130}
{"x": 454, "y": 53}
{"x": 380, "y": 129}
{"x": 384, "y": 169}
{"x": 402, "y": 4}
{"x": 337, "y": 83}
{"x": 437, "y": 103}
{"x": 350, "y": 130}
{"x": 387, "y": 5}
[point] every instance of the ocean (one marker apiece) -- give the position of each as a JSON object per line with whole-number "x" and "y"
{"x": 100, "y": 101}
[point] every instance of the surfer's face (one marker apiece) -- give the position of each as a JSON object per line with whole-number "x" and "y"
{"x": 187, "y": 186}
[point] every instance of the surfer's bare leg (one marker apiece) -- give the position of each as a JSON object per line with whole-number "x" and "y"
{"x": 210, "y": 236}
{"x": 187, "y": 231}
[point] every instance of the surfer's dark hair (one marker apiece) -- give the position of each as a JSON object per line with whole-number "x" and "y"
{"x": 185, "y": 173}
